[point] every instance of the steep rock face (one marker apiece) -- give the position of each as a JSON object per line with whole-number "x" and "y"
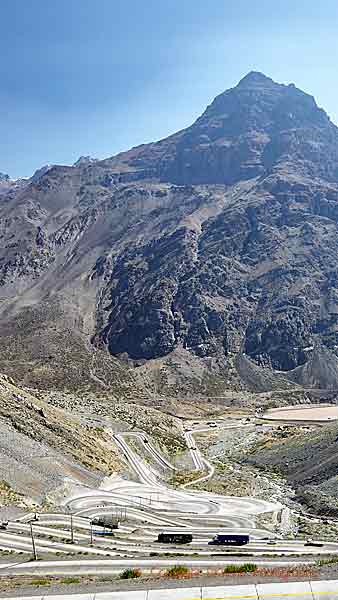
{"x": 221, "y": 239}
{"x": 246, "y": 131}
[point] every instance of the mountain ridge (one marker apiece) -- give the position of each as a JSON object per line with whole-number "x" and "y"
{"x": 218, "y": 240}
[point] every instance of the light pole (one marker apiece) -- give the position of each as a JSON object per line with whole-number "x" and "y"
{"x": 71, "y": 529}
{"x": 35, "y": 556}
{"x": 91, "y": 533}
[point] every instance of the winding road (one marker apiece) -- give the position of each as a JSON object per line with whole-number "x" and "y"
{"x": 150, "y": 506}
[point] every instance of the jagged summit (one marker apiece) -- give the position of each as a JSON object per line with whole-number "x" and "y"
{"x": 256, "y": 79}
{"x": 241, "y": 134}
{"x": 84, "y": 160}
{"x": 40, "y": 172}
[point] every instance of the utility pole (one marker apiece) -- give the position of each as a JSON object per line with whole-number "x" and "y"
{"x": 35, "y": 556}
{"x": 71, "y": 529}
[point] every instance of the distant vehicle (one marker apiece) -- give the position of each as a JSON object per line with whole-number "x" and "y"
{"x": 272, "y": 542}
{"x": 103, "y": 523}
{"x": 3, "y": 525}
{"x": 103, "y": 533}
{"x": 229, "y": 540}
{"x": 192, "y": 448}
{"x": 174, "y": 538}
{"x": 145, "y": 441}
{"x": 313, "y": 544}
{"x": 212, "y": 424}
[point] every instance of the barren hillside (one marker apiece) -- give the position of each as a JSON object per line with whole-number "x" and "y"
{"x": 213, "y": 250}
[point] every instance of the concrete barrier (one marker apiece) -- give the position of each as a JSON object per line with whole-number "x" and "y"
{"x": 178, "y": 593}
{"x": 72, "y": 596}
{"x": 280, "y": 591}
{"x": 324, "y": 590}
{"x": 244, "y": 592}
{"x": 121, "y": 596}
{"x": 314, "y": 590}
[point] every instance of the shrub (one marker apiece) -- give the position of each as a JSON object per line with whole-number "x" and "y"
{"x": 244, "y": 568}
{"x": 70, "y": 580}
{"x": 330, "y": 560}
{"x": 249, "y": 567}
{"x": 40, "y": 581}
{"x": 131, "y": 574}
{"x": 178, "y": 571}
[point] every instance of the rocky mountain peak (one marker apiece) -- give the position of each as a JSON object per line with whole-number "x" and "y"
{"x": 40, "y": 172}
{"x": 160, "y": 265}
{"x": 244, "y": 133}
{"x": 4, "y": 177}
{"x": 84, "y": 160}
{"x": 256, "y": 79}
{"x": 259, "y": 103}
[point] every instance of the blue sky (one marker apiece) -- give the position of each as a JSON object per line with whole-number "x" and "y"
{"x": 99, "y": 76}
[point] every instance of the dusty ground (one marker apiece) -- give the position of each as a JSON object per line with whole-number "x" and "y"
{"x": 303, "y": 413}
{"x": 43, "y": 448}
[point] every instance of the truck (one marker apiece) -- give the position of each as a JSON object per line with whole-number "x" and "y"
{"x": 227, "y": 539}
{"x": 106, "y": 523}
{"x": 174, "y": 538}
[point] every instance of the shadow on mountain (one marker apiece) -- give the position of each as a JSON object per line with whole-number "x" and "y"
{"x": 320, "y": 371}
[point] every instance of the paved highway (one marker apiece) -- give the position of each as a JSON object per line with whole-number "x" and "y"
{"x": 114, "y": 566}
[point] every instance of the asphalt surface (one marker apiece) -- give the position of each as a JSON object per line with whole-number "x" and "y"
{"x": 151, "y": 507}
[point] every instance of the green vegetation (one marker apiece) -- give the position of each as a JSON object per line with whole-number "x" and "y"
{"x": 131, "y": 574}
{"x": 331, "y": 560}
{"x": 40, "y": 581}
{"x": 178, "y": 571}
{"x": 244, "y": 568}
{"x": 69, "y": 580}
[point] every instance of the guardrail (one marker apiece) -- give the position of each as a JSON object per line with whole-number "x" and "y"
{"x": 308, "y": 590}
